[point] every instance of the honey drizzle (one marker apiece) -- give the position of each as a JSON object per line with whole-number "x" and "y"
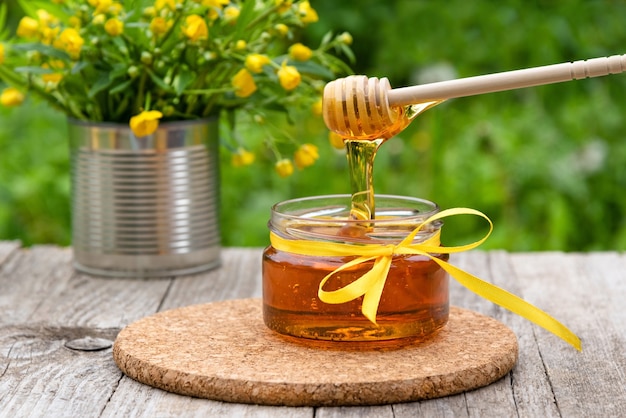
{"x": 361, "y": 153}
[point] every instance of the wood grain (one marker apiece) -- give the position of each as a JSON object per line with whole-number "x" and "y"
{"x": 44, "y": 304}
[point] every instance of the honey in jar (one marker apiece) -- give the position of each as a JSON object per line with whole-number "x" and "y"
{"x": 414, "y": 300}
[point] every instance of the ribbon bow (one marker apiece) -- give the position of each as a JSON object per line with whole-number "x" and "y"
{"x": 371, "y": 284}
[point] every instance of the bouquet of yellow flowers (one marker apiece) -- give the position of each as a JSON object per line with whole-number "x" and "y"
{"x": 144, "y": 61}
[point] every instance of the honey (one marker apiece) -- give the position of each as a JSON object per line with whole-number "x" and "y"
{"x": 361, "y": 151}
{"x": 414, "y": 301}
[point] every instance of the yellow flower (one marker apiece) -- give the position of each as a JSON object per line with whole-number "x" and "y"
{"x": 288, "y": 76}
{"x": 213, "y": 14}
{"x": 284, "y": 167}
{"x": 145, "y": 123}
{"x": 116, "y": 8}
{"x": 231, "y": 13}
{"x": 75, "y": 22}
{"x": 52, "y": 78}
{"x": 282, "y": 29}
{"x": 215, "y": 3}
{"x": 102, "y": 6}
{"x": 45, "y": 18}
{"x": 57, "y": 64}
{"x": 317, "y": 107}
{"x": 149, "y": 11}
{"x": 1, "y": 54}
{"x": 242, "y": 158}
{"x": 300, "y": 52}
{"x": 99, "y": 19}
{"x": 70, "y": 41}
{"x": 306, "y": 155}
{"x": 161, "y": 4}
{"x": 283, "y": 5}
{"x": 243, "y": 83}
{"x": 255, "y": 62}
{"x": 195, "y": 28}
{"x": 241, "y": 44}
{"x": 114, "y": 27}
{"x": 11, "y": 97}
{"x": 159, "y": 26}
{"x": 28, "y": 27}
{"x": 48, "y": 35}
{"x": 345, "y": 38}
{"x": 336, "y": 140}
{"x": 307, "y": 13}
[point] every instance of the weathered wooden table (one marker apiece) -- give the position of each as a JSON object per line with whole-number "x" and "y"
{"x": 45, "y": 305}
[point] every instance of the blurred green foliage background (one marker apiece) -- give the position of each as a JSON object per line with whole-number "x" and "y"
{"x": 546, "y": 164}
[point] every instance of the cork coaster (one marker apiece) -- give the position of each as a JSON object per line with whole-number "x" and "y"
{"x": 223, "y": 351}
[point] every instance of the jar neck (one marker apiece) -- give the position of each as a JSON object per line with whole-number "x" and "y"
{"x": 327, "y": 218}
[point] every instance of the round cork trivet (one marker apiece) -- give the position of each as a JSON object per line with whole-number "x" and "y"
{"x": 224, "y": 351}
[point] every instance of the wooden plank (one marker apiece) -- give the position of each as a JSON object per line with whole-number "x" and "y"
{"x": 31, "y": 276}
{"x": 495, "y": 400}
{"x": 39, "y": 375}
{"x": 532, "y": 393}
{"x": 380, "y": 411}
{"x": 133, "y": 399}
{"x": 45, "y": 304}
{"x": 239, "y": 277}
{"x": 450, "y": 407}
{"x": 50, "y": 292}
{"x": 96, "y": 302}
{"x": 7, "y": 248}
{"x": 40, "y": 290}
{"x": 569, "y": 287}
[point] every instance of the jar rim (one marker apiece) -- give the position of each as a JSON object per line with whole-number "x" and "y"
{"x": 409, "y": 209}
{"x": 327, "y": 218}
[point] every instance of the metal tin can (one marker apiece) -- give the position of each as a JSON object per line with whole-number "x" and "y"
{"x": 145, "y": 207}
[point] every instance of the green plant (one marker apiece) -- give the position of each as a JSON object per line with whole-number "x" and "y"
{"x": 143, "y": 61}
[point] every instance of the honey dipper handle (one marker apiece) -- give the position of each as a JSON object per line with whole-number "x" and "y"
{"x": 508, "y": 80}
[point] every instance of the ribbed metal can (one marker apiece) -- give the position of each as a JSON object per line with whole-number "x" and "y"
{"x": 148, "y": 206}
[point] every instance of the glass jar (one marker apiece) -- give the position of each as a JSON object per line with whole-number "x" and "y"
{"x": 414, "y": 300}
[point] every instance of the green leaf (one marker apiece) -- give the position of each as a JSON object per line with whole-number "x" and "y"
{"x": 158, "y": 81}
{"x": 246, "y": 16}
{"x": 80, "y": 66}
{"x": 337, "y": 64}
{"x": 121, "y": 87}
{"x": 347, "y": 51}
{"x": 30, "y": 7}
{"x": 32, "y": 70}
{"x": 119, "y": 70}
{"x": 182, "y": 80}
{"x": 101, "y": 83}
{"x": 43, "y": 49}
{"x": 314, "y": 69}
{"x": 3, "y": 19}
{"x": 326, "y": 39}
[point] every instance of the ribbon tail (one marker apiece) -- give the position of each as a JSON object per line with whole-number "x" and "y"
{"x": 511, "y": 302}
{"x": 371, "y": 300}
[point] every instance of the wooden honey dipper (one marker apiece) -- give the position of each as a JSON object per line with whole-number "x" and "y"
{"x": 361, "y": 108}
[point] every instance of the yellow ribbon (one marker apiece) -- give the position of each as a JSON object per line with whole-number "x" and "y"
{"x": 371, "y": 284}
